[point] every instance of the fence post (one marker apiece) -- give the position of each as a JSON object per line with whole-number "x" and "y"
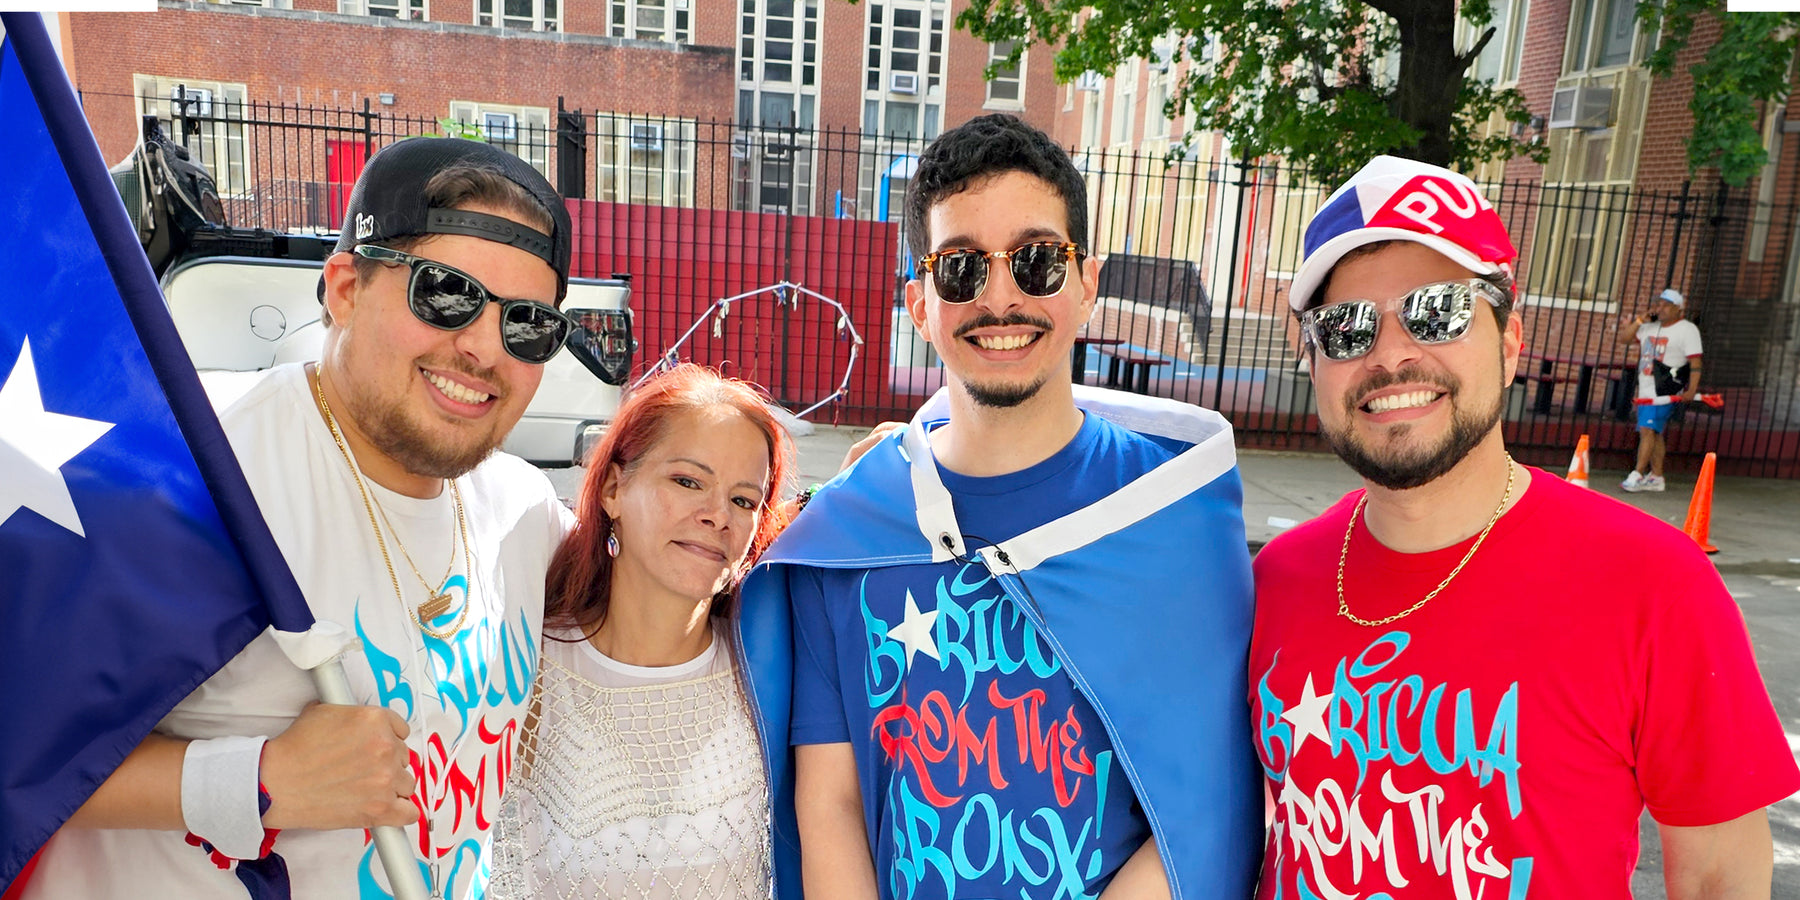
{"x": 1681, "y": 217}
{"x": 1237, "y": 229}
{"x": 790, "y": 139}
{"x": 571, "y": 152}
{"x": 368, "y": 117}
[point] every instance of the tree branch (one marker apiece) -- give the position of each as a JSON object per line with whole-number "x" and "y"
{"x": 1474, "y": 52}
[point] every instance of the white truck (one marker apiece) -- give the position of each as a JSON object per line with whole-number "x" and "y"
{"x": 245, "y": 300}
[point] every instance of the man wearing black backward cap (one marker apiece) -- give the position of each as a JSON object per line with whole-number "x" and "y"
{"x": 376, "y": 471}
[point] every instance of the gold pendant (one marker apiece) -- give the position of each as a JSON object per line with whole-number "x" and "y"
{"x": 436, "y": 606}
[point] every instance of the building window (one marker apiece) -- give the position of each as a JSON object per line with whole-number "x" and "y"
{"x": 1090, "y": 116}
{"x": 1006, "y": 90}
{"x": 413, "y": 10}
{"x": 207, "y": 117}
{"x": 668, "y": 21}
{"x": 903, "y": 91}
{"x": 1124, "y": 101}
{"x": 645, "y": 160}
{"x": 523, "y": 131}
{"x": 521, "y": 15}
{"x": 772, "y": 171}
{"x": 1581, "y": 231}
{"x": 778, "y": 41}
{"x": 1499, "y": 60}
{"x": 1602, "y": 34}
{"x": 1156, "y": 101}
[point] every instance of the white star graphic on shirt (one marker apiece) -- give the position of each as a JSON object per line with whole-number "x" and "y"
{"x": 915, "y": 632}
{"x": 1308, "y": 716}
{"x": 34, "y": 445}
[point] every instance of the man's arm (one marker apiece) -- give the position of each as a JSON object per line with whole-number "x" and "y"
{"x": 1141, "y": 878}
{"x": 1693, "y": 381}
{"x": 835, "y": 860}
{"x": 1628, "y": 332}
{"x": 335, "y": 767}
{"x": 1732, "y": 860}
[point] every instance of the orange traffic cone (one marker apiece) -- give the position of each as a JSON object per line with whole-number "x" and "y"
{"x": 1699, "y": 517}
{"x": 1578, "y": 466}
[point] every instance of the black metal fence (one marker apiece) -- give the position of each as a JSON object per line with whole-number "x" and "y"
{"x": 1193, "y": 296}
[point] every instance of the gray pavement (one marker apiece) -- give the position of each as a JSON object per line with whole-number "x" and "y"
{"x": 1755, "y": 524}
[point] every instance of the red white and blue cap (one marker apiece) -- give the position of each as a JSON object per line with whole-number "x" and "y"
{"x": 1394, "y": 199}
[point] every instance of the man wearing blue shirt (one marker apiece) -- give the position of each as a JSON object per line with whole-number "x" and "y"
{"x": 1019, "y": 624}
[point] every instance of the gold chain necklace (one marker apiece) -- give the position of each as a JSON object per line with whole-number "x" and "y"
{"x": 440, "y": 601}
{"x": 440, "y": 596}
{"x": 1344, "y": 555}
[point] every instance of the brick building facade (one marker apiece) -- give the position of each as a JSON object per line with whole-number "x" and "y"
{"x": 808, "y": 106}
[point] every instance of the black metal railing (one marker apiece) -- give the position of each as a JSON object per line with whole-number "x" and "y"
{"x": 1193, "y": 296}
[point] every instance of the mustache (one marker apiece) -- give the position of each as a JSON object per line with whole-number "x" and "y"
{"x": 989, "y": 320}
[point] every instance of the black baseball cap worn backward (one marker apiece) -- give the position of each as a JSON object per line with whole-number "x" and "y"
{"x": 388, "y": 202}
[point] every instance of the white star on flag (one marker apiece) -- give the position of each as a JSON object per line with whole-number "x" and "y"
{"x": 1308, "y": 716}
{"x": 915, "y": 632}
{"x": 34, "y": 445}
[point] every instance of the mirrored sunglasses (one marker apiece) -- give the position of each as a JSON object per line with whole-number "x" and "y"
{"x": 1039, "y": 268}
{"x": 445, "y": 297}
{"x": 1432, "y": 314}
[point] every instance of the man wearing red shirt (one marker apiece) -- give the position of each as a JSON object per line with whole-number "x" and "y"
{"x": 1468, "y": 679}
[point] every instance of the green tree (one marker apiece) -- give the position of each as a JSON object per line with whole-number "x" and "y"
{"x": 1747, "y": 68}
{"x": 1311, "y": 80}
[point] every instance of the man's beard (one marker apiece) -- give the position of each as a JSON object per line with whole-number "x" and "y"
{"x": 1409, "y": 469}
{"x": 1003, "y": 396}
{"x": 397, "y": 435}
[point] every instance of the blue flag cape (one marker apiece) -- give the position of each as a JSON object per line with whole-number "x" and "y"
{"x": 135, "y": 560}
{"x": 1145, "y": 595}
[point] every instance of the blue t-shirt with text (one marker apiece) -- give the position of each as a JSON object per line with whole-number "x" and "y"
{"x": 984, "y": 771}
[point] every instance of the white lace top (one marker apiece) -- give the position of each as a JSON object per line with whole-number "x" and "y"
{"x": 634, "y": 782}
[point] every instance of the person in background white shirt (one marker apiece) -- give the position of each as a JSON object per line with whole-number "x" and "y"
{"x": 1664, "y": 337}
{"x": 639, "y": 774}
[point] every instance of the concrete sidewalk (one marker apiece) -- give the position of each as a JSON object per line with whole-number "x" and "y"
{"x": 1755, "y": 521}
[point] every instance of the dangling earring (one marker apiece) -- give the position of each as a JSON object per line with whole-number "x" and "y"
{"x": 612, "y": 545}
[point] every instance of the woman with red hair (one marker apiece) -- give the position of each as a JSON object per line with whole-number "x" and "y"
{"x": 640, "y": 773}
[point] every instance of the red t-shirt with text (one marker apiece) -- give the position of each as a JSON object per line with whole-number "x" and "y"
{"x": 1502, "y": 741}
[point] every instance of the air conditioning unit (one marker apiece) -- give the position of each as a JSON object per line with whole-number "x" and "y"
{"x": 499, "y": 126}
{"x": 1090, "y": 81}
{"x": 740, "y": 146}
{"x": 191, "y": 101}
{"x": 646, "y": 136}
{"x": 1583, "y": 106}
{"x": 904, "y": 83}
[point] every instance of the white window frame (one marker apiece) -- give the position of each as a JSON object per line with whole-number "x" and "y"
{"x": 382, "y": 9}
{"x": 630, "y": 170}
{"x": 1507, "y": 45}
{"x": 533, "y": 129}
{"x": 546, "y": 15}
{"x": 220, "y": 143}
{"x": 625, "y": 20}
{"x": 878, "y": 96}
{"x": 1156, "y": 97}
{"x": 1581, "y": 55}
{"x": 1124, "y": 105}
{"x": 1014, "y": 76}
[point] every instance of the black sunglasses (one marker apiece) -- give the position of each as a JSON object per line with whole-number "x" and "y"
{"x": 1039, "y": 269}
{"x": 445, "y": 297}
{"x": 1432, "y": 314}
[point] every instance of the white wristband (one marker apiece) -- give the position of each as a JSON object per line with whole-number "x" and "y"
{"x": 219, "y": 794}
